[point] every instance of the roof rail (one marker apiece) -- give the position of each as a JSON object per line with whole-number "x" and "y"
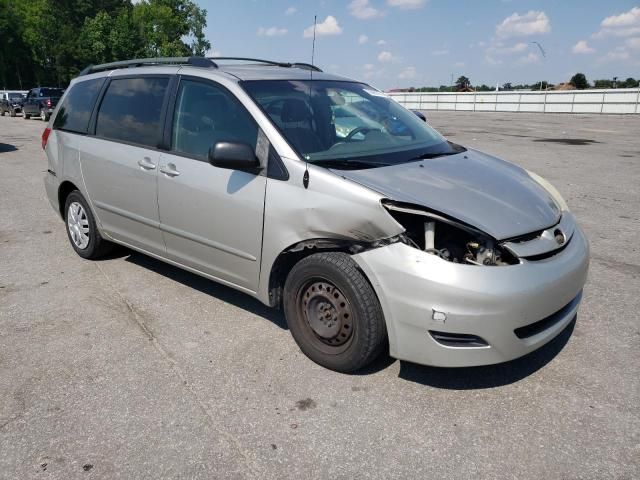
{"x": 305, "y": 66}
{"x": 138, "y": 62}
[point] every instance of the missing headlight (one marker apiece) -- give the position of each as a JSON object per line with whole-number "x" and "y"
{"x": 450, "y": 240}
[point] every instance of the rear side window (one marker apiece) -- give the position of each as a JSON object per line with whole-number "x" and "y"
{"x": 130, "y": 110}
{"x": 75, "y": 111}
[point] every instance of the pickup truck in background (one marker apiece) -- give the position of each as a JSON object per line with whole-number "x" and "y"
{"x": 11, "y": 102}
{"x": 40, "y": 102}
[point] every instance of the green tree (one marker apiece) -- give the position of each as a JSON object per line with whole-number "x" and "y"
{"x": 47, "y": 42}
{"x": 630, "y": 83}
{"x": 579, "y": 81}
{"x": 462, "y": 82}
{"x": 604, "y": 83}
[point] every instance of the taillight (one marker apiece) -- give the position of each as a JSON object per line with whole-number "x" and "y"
{"x": 49, "y": 102}
{"x": 45, "y": 137}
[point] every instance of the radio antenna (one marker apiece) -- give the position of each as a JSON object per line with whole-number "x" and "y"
{"x": 305, "y": 177}
{"x": 313, "y": 45}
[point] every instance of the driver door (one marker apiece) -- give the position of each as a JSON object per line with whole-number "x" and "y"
{"x": 211, "y": 217}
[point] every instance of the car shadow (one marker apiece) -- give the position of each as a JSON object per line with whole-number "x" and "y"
{"x": 7, "y": 147}
{"x": 465, "y": 378}
{"x": 209, "y": 287}
{"x": 490, "y": 376}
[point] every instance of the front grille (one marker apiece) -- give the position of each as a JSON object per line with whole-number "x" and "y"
{"x": 458, "y": 339}
{"x": 543, "y": 256}
{"x": 541, "y": 325}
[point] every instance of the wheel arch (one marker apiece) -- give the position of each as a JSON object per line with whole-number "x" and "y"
{"x": 64, "y": 190}
{"x": 291, "y": 255}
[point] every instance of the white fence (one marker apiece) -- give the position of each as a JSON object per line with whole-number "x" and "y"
{"x": 622, "y": 100}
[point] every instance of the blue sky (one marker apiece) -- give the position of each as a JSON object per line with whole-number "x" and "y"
{"x": 401, "y": 43}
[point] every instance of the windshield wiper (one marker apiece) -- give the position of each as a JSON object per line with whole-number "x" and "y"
{"x": 427, "y": 156}
{"x": 354, "y": 164}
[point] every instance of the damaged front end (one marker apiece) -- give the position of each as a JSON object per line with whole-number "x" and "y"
{"x": 449, "y": 239}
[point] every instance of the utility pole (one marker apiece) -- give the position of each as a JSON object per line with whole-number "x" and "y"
{"x": 451, "y": 82}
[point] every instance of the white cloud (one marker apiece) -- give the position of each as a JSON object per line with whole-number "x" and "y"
{"x": 385, "y": 56}
{"x": 459, "y": 64}
{"x": 328, "y": 27}
{"x": 497, "y": 49}
{"x": 406, "y": 4}
{"x": 290, "y": 11}
{"x": 440, "y": 52}
{"x": 528, "y": 59}
{"x": 531, "y": 23}
{"x": 582, "y": 47}
{"x": 272, "y": 32}
{"x": 362, "y": 39}
{"x": 381, "y": 43}
{"x": 632, "y": 17}
{"x": 369, "y": 66}
{"x": 213, "y": 53}
{"x": 408, "y": 73}
{"x": 622, "y": 25}
{"x": 633, "y": 43}
{"x": 363, "y": 10}
{"x": 616, "y": 56}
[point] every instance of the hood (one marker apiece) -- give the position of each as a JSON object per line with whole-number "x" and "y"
{"x": 495, "y": 196}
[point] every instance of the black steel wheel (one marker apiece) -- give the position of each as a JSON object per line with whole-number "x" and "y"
{"x": 333, "y": 313}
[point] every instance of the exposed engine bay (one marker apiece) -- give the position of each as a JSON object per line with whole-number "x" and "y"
{"x": 448, "y": 239}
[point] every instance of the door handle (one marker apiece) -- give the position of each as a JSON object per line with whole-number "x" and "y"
{"x": 170, "y": 170}
{"x": 146, "y": 163}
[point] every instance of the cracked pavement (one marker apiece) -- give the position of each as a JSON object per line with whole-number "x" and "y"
{"x": 130, "y": 368}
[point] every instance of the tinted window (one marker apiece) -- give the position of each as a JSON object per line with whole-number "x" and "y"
{"x": 75, "y": 111}
{"x": 51, "y": 92}
{"x": 130, "y": 110}
{"x": 206, "y": 114}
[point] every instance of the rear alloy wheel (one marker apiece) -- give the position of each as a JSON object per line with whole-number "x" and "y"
{"x": 81, "y": 228}
{"x": 333, "y": 312}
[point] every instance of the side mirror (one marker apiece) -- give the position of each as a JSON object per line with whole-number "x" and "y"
{"x": 234, "y": 156}
{"x": 420, "y": 115}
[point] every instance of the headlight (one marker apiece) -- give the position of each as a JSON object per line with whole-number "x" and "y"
{"x": 555, "y": 194}
{"x": 447, "y": 238}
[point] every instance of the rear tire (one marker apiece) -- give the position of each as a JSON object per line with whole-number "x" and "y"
{"x": 26, "y": 116}
{"x": 333, "y": 313}
{"x": 44, "y": 116}
{"x": 2, "y": 113}
{"x": 12, "y": 113}
{"x": 81, "y": 228}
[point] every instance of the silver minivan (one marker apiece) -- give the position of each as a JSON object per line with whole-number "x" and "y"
{"x": 322, "y": 196}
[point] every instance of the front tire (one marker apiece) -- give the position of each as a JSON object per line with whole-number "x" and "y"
{"x": 12, "y": 113}
{"x": 81, "y": 228}
{"x": 44, "y": 116}
{"x": 333, "y": 313}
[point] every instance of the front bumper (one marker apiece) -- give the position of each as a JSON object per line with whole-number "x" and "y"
{"x": 487, "y": 302}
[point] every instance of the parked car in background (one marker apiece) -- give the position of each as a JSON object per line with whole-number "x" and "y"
{"x": 11, "y": 103}
{"x": 40, "y": 102}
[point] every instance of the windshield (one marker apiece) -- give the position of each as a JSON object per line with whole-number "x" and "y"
{"x": 51, "y": 92}
{"x": 346, "y": 124}
{"x": 14, "y": 96}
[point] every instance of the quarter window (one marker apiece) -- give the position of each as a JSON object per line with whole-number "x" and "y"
{"x": 206, "y": 114}
{"x": 131, "y": 110}
{"x": 75, "y": 112}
